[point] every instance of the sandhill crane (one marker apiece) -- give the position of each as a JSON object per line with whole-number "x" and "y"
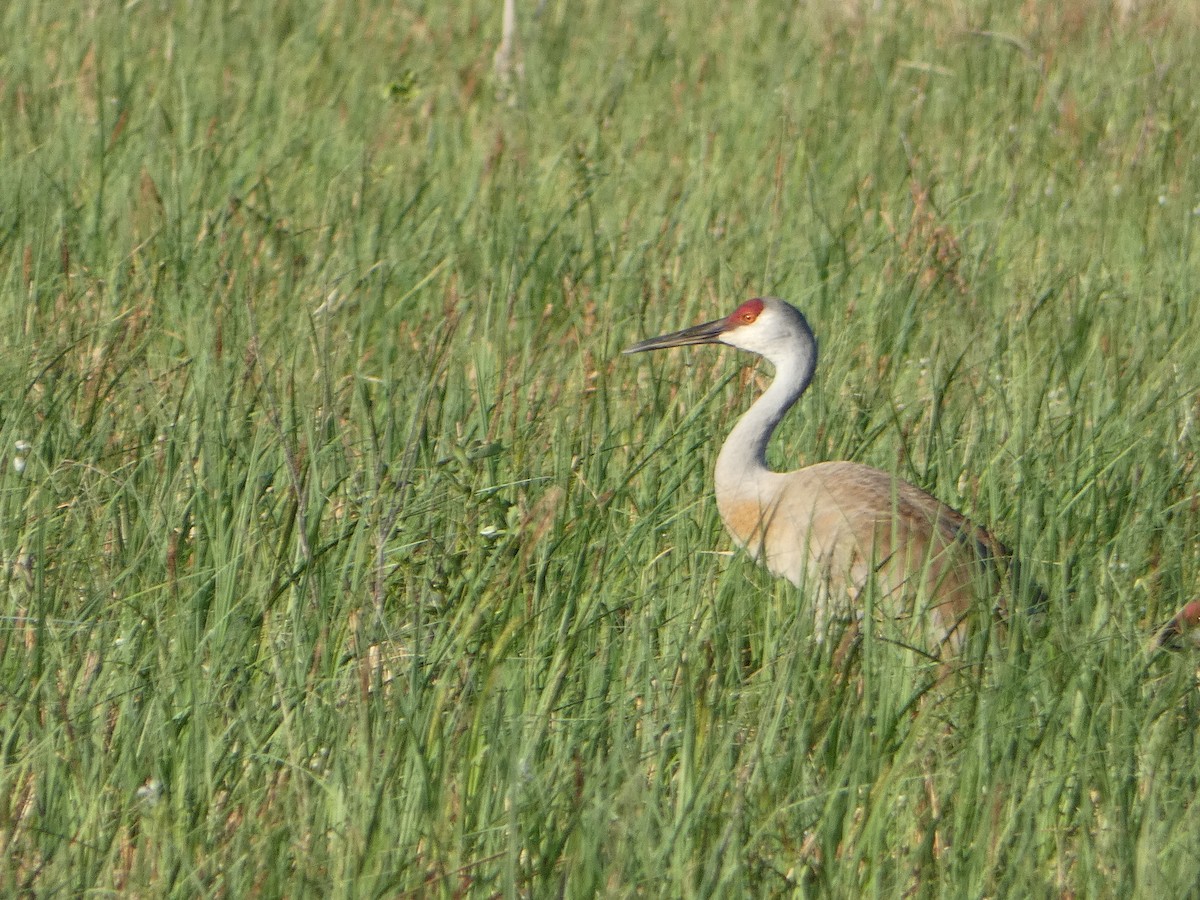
{"x": 1183, "y": 629}
{"x": 847, "y": 532}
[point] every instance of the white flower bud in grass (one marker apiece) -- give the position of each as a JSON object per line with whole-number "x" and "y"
{"x": 18, "y": 463}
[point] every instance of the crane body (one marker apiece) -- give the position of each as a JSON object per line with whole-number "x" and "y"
{"x": 844, "y": 531}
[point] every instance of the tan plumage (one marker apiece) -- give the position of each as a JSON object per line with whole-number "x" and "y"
{"x": 847, "y": 533}
{"x": 854, "y": 528}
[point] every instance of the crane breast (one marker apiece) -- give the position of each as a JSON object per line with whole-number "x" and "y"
{"x": 839, "y": 530}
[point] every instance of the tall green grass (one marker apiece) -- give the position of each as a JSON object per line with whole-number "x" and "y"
{"x": 346, "y": 556}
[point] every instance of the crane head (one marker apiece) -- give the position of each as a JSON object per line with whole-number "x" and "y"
{"x": 763, "y": 325}
{"x": 1182, "y": 630}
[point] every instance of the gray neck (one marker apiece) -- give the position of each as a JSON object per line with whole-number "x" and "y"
{"x": 742, "y": 463}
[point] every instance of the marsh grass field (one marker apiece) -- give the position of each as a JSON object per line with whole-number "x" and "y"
{"x": 344, "y": 554}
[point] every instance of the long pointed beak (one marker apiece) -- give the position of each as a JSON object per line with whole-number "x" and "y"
{"x": 707, "y": 333}
{"x": 1185, "y": 625}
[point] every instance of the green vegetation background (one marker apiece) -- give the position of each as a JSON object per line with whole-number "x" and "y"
{"x": 344, "y": 555}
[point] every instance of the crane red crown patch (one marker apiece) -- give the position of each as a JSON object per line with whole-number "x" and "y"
{"x": 747, "y": 313}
